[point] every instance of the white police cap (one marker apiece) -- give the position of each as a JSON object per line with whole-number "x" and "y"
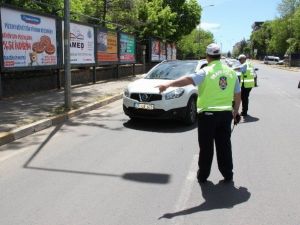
{"x": 242, "y": 56}
{"x": 213, "y": 49}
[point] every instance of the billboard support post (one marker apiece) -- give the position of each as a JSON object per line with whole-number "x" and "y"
{"x": 58, "y": 80}
{"x": 117, "y": 73}
{"x": 67, "y": 66}
{"x": 0, "y": 85}
{"x": 133, "y": 69}
{"x": 94, "y": 74}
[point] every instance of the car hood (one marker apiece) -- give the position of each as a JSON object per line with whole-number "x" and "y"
{"x": 147, "y": 85}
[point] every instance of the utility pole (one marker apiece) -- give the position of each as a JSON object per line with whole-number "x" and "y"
{"x": 1, "y": 85}
{"x": 67, "y": 65}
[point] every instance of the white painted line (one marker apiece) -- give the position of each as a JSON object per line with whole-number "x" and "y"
{"x": 186, "y": 191}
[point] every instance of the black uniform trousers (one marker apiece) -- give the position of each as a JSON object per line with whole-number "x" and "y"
{"x": 245, "y": 92}
{"x": 215, "y": 128}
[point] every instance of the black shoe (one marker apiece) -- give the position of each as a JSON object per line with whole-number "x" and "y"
{"x": 228, "y": 179}
{"x": 200, "y": 179}
{"x": 244, "y": 114}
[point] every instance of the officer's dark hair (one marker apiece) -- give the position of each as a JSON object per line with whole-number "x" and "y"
{"x": 214, "y": 56}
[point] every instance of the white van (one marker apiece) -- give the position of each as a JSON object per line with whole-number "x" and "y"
{"x": 273, "y": 60}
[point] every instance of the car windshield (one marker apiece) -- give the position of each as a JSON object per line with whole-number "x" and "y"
{"x": 172, "y": 70}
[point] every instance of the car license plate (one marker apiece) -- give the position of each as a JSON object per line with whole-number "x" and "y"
{"x": 144, "y": 106}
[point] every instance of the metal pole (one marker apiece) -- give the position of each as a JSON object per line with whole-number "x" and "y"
{"x": 0, "y": 85}
{"x": 67, "y": 66}
{"x": 94, "y": 74}
{"x": 58, "y": 80}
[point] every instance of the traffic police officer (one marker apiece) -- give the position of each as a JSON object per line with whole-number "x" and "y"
{"x": 218, "y": 87}
{"x": 247, "y": 82}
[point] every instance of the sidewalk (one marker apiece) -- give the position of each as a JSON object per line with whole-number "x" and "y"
{"x": 22, "y": 116}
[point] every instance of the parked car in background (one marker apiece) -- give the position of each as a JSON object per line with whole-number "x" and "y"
{"x": 141, "y": 98}
{"x": 232, "y": 62}
{"x": 273, "y": 60}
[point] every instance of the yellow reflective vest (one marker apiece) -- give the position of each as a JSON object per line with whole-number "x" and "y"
{"x": 247, "y": 79}
{"x": 216, "y": 91}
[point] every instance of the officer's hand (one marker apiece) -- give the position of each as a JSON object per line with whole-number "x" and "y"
{"x": 162, "y": 87}
{"x": 236, "y": 118}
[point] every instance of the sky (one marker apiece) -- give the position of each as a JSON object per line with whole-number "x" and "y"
{"x": 231, "y": 20}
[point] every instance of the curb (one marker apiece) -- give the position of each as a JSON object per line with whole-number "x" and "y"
{"x": 23, "y": 131}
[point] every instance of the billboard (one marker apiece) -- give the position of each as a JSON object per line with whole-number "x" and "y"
{"x": 155, "y": 46}
{"x": 174, "y": 52}
{"x": 169, "y": 51}
{"x": 163, "y": 52}
{"x": 127, "y": 48}
{"x": 82, "y": 43}
{"x": 107, "y": 46}
{"x": 28, "y": 40}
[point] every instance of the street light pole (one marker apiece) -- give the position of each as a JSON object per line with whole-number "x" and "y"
{"x": 67, "y": 64}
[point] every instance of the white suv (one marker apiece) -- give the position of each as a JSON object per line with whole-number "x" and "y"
{"x": 273, "y": 60}
{"x": 141, "y": 98}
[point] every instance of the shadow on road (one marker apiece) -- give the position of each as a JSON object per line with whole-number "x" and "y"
{"x": 160, "y": 126}
{"x": 154, "y": 178}
{"x": 217, "y": 196}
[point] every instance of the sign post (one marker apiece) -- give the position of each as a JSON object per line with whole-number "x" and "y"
{"x": 67, "y": 66}
{"x": 0, "y": 86}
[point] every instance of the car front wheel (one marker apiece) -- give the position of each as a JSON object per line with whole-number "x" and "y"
{"x": 191, "y": 111}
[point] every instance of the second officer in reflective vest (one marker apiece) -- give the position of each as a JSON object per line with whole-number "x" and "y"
{"x": 247, "y": 82}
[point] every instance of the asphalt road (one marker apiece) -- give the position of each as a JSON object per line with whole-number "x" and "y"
{"x": 103, "y": 169}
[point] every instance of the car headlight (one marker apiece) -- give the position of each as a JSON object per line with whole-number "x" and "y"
{"x": 174, "y": 94}
{"x": 126, "y": 92}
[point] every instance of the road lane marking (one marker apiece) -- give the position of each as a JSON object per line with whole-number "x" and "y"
{"x": 186, "y": 191}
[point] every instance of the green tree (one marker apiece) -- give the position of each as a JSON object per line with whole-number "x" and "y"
{"x": 260, "y": 39}
{"x": 294, "y": 40}
{"x": 278, "y": 44}
{"x": 288, "y": 7}
{"x": 188, "y": 15}
{"x": 155, "y": 20}
{"x": 194, "y": 45}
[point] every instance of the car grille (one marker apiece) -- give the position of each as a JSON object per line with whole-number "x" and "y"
{"x": 143, "y": 97}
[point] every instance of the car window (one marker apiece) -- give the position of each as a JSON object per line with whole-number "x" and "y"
{"x": 172, "y": 71}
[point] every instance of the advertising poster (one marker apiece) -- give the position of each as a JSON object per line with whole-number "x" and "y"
{"x": 169, "y": 51}
{"x": 174, "y": 52}
{"x": 163, "y": 53}
{"x": 29, "y": 40}
{"x": 107, "y": 46}
{"x": 155, "y": 50}
{"x": 127, "y": 48}
{"x": 82, "y": 50}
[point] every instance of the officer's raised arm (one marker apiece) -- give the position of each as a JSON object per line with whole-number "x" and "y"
{"x": 180, "y": 82}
